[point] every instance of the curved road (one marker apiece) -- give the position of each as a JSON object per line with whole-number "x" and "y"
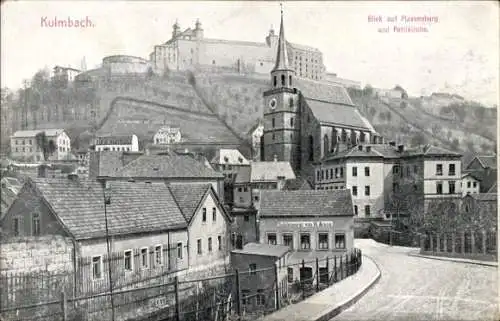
{"x": 413, "y": 288}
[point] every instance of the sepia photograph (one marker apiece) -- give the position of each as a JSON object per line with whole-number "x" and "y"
{"x": 249, "y": 160}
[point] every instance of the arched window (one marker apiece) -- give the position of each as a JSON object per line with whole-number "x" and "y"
{"x": 290, "y": 102}
{"x": 311, "y": 148}
{"x": 283, "y": 79}
{"x": 325, "y": 145}
{"x": 275, "y": 81}
{"x": 362, "y": 137}
{"x": 290, "y": 81}
{"x": 291, "y": 122}
{"x": 344, "y": 136}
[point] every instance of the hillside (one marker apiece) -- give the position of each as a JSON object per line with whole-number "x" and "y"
{"x": 214, "y": 106}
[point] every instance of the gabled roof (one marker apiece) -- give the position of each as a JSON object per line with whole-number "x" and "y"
{"x": 314, "y": 203}
{"x": 493, "y": 189}
{"x": 167, "y": 166}
{"x": 229, "y": 157}
{"x": 430, "y": 150}
{"x": 134, "y": 207}
{"x": 487, "y": 197}
{"x": 327, "y": 92}
{"x": 375, "y": 150}
{"x": 189, "y": 196}
{"x": 264, "y": 171}
{"x": 472, "y": 174}
{"x": 337, "y": 114}
{"x": 297, "y": 184}
{"x": 108, "y": 163}
{"x": 487, "y": 161}
{"x": 263, "y": 249}
{"x": 33, "y": 133}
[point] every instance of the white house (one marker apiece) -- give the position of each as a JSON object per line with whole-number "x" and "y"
{"x": 470, "y": 184}
{"x": 129, "y": 143}
{"x": 23, "y": 144}
{"x": 167, "y": 135}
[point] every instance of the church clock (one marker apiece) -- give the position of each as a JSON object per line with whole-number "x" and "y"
{"x": 272, "y": 103}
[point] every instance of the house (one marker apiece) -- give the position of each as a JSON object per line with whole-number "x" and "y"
{"x": 470, "y": 183}
{"x": 129, "y": 143}
{"x": 255, "y": 133}
{"x": 208, "y": 224}
{"x": 167, "y": 135}
{"x": 24, "y": 145}
{"x": 270, "y": 261}
{"x": 314, "y": 224}
{"x": 484, "y": 167}
{"x": 153, "y": 226}
{"x": 64, "y": 75}
{"x": 229, "y": 162}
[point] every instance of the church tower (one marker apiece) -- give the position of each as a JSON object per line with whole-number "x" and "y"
{"x": 281, "y": 138}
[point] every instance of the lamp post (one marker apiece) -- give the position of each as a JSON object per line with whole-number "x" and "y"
{"x": 107, "y": 201}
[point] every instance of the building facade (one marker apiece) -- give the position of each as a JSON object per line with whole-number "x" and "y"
{"x": 64, "y": 75}
{"x": 229, "y": 162}
{"x": 129, "y": 143}
{"x": 314, "y": 224}
{"x": 189, "y": 48}
{"x": 24, "y": 145}
{"x": 470, "y": 184}
{"x": 167, "y": 135}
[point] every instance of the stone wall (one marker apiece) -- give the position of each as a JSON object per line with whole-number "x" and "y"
{"x": 36, "y": 254}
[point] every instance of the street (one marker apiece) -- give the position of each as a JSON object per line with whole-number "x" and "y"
{"x": 413, "y": 288}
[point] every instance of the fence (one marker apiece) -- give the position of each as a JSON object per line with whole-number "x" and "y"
{"x": 466, "y": 244}
{"x": 240, "y": 295}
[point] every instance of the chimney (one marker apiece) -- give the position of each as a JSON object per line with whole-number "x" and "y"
{"x": 392, "y": 143}
{"x": 275, "y": 157}
{"x": 368, "y": 149}
{"x": 401, "y": 148}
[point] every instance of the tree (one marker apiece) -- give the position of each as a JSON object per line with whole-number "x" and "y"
{"x": 479, "y": 112}
{"x": 455, "y": 144}
{"x": 436, "y": 129}
{"x": 418, "y": 139}
{"x": 48, "y": 147}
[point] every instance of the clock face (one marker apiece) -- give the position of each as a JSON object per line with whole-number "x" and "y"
{"x": 272, "y": 103}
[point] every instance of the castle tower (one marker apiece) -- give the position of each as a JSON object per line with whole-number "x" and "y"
{"x": 282, "y": 110}
{"x": 176, "y": 29}
{"x": 198, "y": 30}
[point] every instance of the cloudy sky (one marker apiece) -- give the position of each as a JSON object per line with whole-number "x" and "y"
{"x": 459, "y": 54}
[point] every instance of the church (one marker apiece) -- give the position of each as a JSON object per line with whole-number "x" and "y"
{"x": 306, "y": 120}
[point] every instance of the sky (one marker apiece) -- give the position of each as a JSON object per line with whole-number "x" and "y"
{"x": 459, "y": 53}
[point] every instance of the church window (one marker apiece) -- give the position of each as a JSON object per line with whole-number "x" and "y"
{"x": 273, "y": 122}
{"x": 326, "y": 144}
{"x": 274, "y": 136}
{"x": 311, "y": 148}
{"x": 290, "y": 81}
{"x": 275, "y": 81}
{"x": 291, "y": 122}
{"x": 290, "y": 101}
{"x": 283, "y": 78}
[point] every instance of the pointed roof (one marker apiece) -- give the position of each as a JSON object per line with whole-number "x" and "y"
{"x": 282, "y": 55}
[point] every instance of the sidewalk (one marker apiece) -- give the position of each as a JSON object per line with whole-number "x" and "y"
{"x": 454, "y": 259}
{"x": 328, "y": 303}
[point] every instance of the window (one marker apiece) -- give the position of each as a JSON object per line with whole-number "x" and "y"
{"x": 415, "y": 169}
{"x": 246, "y": 218}
{"x": 273, "y": 137}
{"x": 214, "y": 214}
{"x": 336, "y": 172}
{"x": 451, "y": 169}
{"x": 468, "y": 184}
{"x": 340, "y": 241}
{"x": 474, "y": 184}
{"x": 288, "y": 240}
{"x": 245, "y": 189}
{"x": 395, "y": 187}
{"x": 128, "y": 262}
{"x": 36, "y": 224}
{"x": 354, "y": 171}
{"x": 451, "y": 187}
{"x": 331, "y": 172}
{"x": 219, "y": 241}
{"x": 395, "y": 169}
{"x": 290, "y": 100}
{"x": 367, "y": 171}
{"x": 283, "y": 80}
{"x": 354, "y": 191}
{"x": 253, "y": 268}
{"x": 291, "y": 122}
{"x": 290, "y": 275}
{"x": 341, "y": 172}
{"x": 439, "y": 188}
{"x": 16, "y": 226}
{"x": 260, "y": 298}
{"x": 271, "y": 238}
{"x": 256, "y": 198}
{"x": 158, "y": 255}
{"x": 439, "y": 169}
{"x": 204, "y": 218}
{"x": 305, "y": 241}
{"x": 273, "y": 122}
{"x": 144, "y": 258}
{"x": 199, "y": 247}
{"x": 355, "y": 209}
{"x": 275, "y": 82}
{"x": 96, "y": 267}
{"x": 240, "y": 189}
{"x": 367, "y": 190}
{"x": 209, "y": 244}
{"x": 323, "y": 241}
{"x": 367, "y": 210}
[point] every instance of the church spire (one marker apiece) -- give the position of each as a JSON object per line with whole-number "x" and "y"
{"x": 282, "y": 56}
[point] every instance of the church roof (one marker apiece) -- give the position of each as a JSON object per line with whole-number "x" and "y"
{"x": 337, "y": 114}
{"x": 323, "y": 91}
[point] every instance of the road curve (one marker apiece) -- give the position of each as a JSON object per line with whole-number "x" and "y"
{"x": 413, "y": 288}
